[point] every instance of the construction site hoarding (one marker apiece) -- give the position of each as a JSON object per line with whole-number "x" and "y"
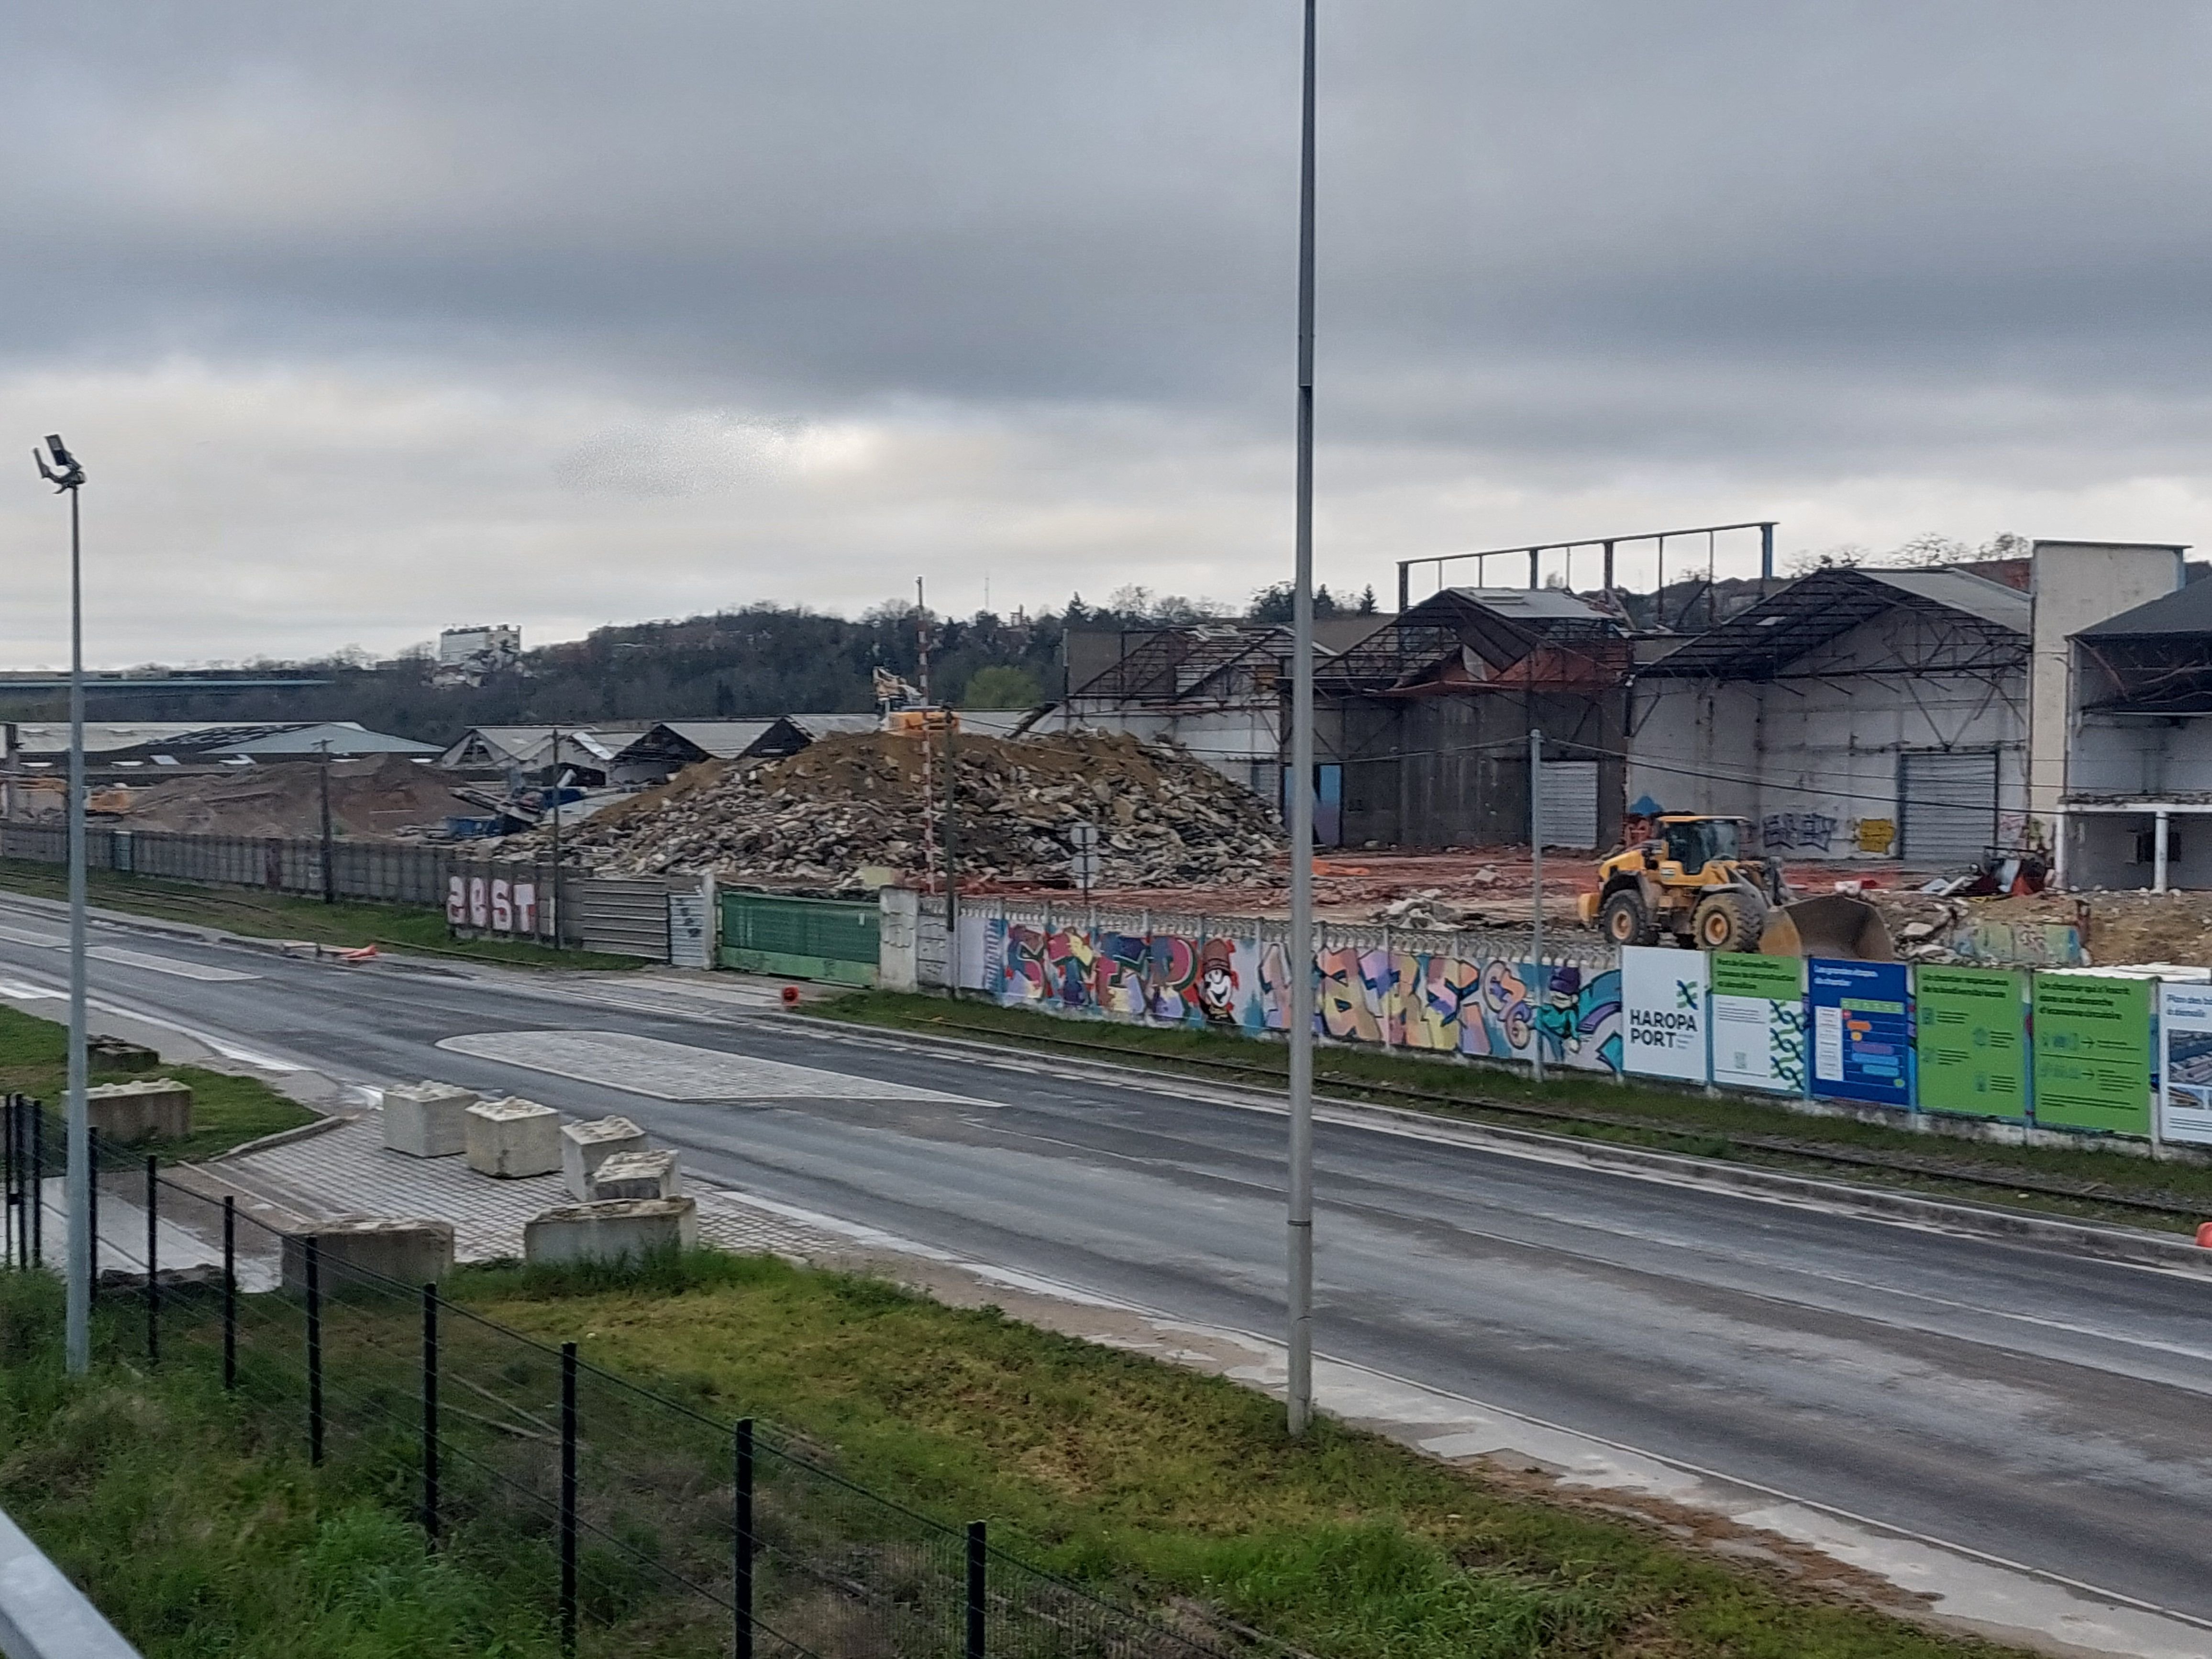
{"x": 1969, "y": 1042}
{"x": 1664, "y": 1014}
{"x": 1861, "y": 1016}
{"x": 1758, "y": 1013}
{"x": 2093, "y": 1052}
{"x": 1236, "y": 977}
{"x": 2184, "y": 1069}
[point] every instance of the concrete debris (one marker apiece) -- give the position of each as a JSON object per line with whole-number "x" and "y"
{"x": 379, "y": 796}
{"x": 816, "y": 818}
{"x": 1428, "y": 910}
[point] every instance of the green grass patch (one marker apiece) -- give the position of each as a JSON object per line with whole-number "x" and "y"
{"x": 1160, "y": 1485}
{"x": 191, "y": 1517}
{"x": 261, "y": 913}
{"x": 199, "y": 1534}
{"x": 1640, "y": 1113}
{"x": 226, "y": 1111}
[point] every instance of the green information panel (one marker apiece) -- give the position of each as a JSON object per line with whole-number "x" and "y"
{"x": 1758, "y": 1023}
{"x": 1780, "y": 979}
{"x": 1972, "y": 1040}
{"x": 2092, "y": 1058}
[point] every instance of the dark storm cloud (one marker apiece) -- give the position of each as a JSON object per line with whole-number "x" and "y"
{"x": 1573, "y": 254}
{"x": 1082, "y": 202}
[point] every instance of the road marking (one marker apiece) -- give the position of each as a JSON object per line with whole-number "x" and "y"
{"x": 116, "y": 953}
{"x": 677, "y": 1071}
{"x": 17, "y": 989}
{"x": 24, "y": 936}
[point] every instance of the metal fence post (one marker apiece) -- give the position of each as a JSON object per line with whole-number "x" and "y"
{"x": 8, "y": 1207}
{"x": 229, "y": 1292}
{"x": 977, "y": 1564}
{"x": 311, "y": 1250}
{"x": 568, "y": 1498}
{"x": 430, "y": 1410}
{"x": 37, "y": 1193}
{"x": 153, "y": 1262}
{"x": 742, "y": 1583}
{"x": 92, "y": 1201}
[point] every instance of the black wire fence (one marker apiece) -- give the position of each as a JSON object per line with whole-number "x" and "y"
{"x": 641, "y": 1524}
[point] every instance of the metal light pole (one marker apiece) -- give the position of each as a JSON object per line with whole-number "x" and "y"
{"x": 1540, "y": 990}
{"x": 330, "y": 875}
{"x": 68, "y": 476}
{"x": 1300, "y": 1380}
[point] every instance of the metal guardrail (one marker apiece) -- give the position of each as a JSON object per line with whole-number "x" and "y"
{"x": 42, "y": 1614}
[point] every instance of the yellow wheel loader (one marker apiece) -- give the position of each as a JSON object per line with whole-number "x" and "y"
{"x": 1692, "y": 882}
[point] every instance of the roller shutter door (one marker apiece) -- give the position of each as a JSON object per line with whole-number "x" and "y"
{"x": 1947, "y": 810}
{"x": 1568, "y": 809}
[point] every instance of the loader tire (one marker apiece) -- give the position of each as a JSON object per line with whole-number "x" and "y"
{"x": 1725, "y": 921}
{"x": 1624, "y": 922}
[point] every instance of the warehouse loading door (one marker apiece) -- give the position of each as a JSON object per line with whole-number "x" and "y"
{"x": 1946, "y": 809}
{"x": 1568, "y": 806}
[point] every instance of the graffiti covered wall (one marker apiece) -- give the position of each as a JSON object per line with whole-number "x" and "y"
{"x": 1491, "y": 1007}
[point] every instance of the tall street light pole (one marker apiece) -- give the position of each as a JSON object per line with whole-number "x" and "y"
{"x": 68, "y": 477}
{"x": 1300, "y": 1378}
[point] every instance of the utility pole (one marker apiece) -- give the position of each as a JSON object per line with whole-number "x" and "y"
{"x": 1299, "y": 1379}
{"x": 560, "y": 910}
{"x": 68, "y": 477}
{"x": 330, "y": 875}
{"x": 1538, "y": 991}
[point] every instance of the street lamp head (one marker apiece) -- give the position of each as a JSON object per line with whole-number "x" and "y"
{"x": 66, "y": 473}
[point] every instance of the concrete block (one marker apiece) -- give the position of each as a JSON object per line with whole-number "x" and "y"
{"x": 638, "y": 1175}
{"x": 111, "y": 1053}
{"x": 428, "y": 1120}
{"x": 611, "y": 1230}
{"x": 512, "y": 1137}
{"x": 409, "y": 1253}
{"x": 584, "y": 1147}
{"x": 145, "y": 1109}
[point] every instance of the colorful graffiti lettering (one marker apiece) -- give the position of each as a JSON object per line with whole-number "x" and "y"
{"x": 1813, "y": 829}
{"x": 1491, "y": 1007}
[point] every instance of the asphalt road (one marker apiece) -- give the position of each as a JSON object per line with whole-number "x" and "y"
{"x": 2047, "y": 1410}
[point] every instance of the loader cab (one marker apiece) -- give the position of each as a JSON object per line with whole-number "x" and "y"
{"x": 1694, "y": 843}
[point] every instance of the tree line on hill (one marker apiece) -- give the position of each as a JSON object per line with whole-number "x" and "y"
{"x": 758, "y": 660}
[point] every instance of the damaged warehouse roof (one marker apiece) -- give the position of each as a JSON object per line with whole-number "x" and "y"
{"x": 1758, "y": 641}
{"x": 2157, "y": 657}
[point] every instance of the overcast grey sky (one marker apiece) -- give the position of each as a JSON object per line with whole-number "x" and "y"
{"x": 369, "y": 320}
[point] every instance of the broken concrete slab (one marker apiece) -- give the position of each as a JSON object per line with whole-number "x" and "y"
{"x": 428, "y": 1119}
{"x": 584, "y": 1147}
{"x": 514, "y": 1138}
{"x": 145, "y": 1109}
{"x": 612, "y": 1231}
{"x": 638, "y": 1175}
{"x": 361, "y": 1252}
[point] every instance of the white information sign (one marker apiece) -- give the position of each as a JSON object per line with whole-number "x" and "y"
{"x": 2185, "y": 1096}
{"x": 1663, "y": 1008}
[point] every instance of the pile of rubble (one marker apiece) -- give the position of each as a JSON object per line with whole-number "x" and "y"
{"x": 819, "y": 819}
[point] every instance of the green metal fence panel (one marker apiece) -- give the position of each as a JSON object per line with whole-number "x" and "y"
{"x": 831, "y": 939}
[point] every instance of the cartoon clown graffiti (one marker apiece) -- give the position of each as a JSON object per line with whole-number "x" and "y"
{"x": 1216, "y": 988}
{"x": 1559, "y": 1017}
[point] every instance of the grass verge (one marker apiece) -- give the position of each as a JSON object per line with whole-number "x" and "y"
{"x": 262, "y": 915}
{"x": 1630, "y": 1113}
{"x": 1162, "y": 1484}
{"x": 226, "y": 1111}
{"x": 191, "y": 1517}
{"x": 199, "y": 1533}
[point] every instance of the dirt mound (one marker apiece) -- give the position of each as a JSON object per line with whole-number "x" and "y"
{"x": 371, "y": 799}
{"x": 815, "y": 818}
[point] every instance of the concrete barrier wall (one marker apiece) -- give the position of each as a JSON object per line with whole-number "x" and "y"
{"x": 42, "y": 1614}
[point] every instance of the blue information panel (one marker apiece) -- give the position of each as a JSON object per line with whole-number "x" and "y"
{"x": 1861, "y": 1031}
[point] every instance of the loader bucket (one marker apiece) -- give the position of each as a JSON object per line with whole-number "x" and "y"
{"x": 1832, "y": 925}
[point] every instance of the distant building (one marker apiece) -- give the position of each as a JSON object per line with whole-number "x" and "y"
{"x": 466, "y": 655}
